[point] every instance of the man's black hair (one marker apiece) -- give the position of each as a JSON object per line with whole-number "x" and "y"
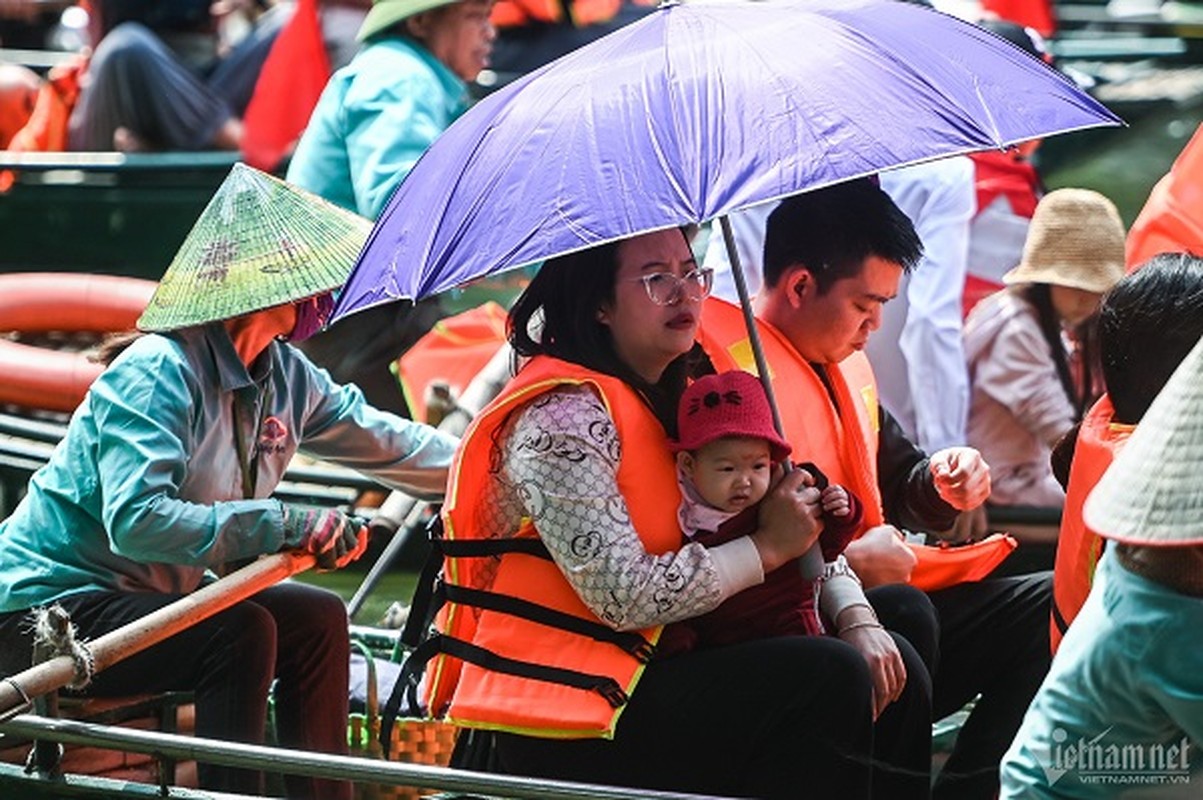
{"x": 832, "y": 231}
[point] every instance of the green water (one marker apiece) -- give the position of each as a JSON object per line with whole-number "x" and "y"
{"x": 1121, "y": 163}
{"x": 395, "y": 585}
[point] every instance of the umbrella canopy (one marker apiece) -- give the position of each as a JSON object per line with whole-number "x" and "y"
{"x": 694, "y": 111}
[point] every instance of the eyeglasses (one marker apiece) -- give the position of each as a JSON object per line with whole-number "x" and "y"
{"x": 666, "y": 289}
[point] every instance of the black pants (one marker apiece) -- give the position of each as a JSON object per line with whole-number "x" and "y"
{"x": 294, "y": 633}
{"x": 775, "y": 718}
{"x": 993, "y": 642}
{"x": 136, "y": 81}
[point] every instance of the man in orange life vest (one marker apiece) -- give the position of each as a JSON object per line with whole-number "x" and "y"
{"x": 1148, "y": 322}
{"x": 833, "y": 257}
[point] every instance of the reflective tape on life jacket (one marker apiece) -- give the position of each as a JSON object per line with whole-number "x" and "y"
{"x": 519, "y": 651}
{"x": 840, "y": 437}
{"x": 1172, "y": 218}
{"x": 1078, "y": 547}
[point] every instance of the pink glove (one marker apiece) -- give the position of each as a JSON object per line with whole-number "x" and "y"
{"x": 335, "y": 538}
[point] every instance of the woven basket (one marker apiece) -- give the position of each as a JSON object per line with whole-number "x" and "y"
{"x": 414, "y": 741}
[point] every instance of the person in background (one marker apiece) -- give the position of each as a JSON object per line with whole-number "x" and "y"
{"x": 1148, "y": 322}
{"x": 168, "y": 466}
{"x": 157, "y": 79}
{"x": 1031, "y": 349}
{"x": 1007, "y": 186}
{"x": 531, "y": 33}
{"x": 381, "y": 112}
{"x": 19, "y": 87}
{"x": 374, "y": 120}
{"x": 1121, "y": 711}
{"x": 833, "y": 258}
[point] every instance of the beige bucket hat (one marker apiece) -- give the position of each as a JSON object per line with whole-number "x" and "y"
{"x": 387, "y": 13}
{"x": 1153, "y": 492}
{"x": 1076, "y": 240}
{"x": 260, "y": 242}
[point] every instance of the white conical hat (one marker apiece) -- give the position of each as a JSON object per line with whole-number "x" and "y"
{"x": 260, "y": 242}
{"x": 1153, "y": 493}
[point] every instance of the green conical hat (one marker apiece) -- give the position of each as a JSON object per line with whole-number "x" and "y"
{"x": 259, "y": 243}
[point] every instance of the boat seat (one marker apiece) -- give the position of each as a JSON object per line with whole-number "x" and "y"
{"x": 166, "y": 712}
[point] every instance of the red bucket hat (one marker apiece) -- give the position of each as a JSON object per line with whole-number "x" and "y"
{"x": 728, "y": 404}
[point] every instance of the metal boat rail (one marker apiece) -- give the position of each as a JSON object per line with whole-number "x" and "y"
{"x": 295, "y": 762}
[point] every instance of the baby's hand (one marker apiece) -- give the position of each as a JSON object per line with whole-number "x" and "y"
{"x": 835, "y": 501}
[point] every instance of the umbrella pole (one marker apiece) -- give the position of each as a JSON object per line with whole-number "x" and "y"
{"x": 745, "y": 305}
{"x": 812, "y": 560}
{"x": 136, "y": 636}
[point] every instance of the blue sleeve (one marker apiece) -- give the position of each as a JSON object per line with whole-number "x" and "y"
{"x": 1175, "y": 674}
{"x": 390, "y": 122}
{"x": 144, "y": 413}
{"x": 340, "y": 426}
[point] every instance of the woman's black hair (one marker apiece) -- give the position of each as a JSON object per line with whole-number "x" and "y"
{"x": 1080, "y": 394}
{"x": 567, "y": 294}
{"x": 1148, "y": 322}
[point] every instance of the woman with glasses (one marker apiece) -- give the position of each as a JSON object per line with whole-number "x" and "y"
{"x": 565, "y": 559}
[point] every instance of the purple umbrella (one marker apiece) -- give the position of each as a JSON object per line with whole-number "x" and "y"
{"x": 697, "y": 110}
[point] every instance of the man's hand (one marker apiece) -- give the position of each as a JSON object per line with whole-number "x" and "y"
{"x": 961, "y": 477}
{"x": 858, "y": 626}
{"x": 880, "y": 557}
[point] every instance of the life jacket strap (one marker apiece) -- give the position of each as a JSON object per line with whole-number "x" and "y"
{"x": 415, "y": 665}
{"x": 629, "y": 642}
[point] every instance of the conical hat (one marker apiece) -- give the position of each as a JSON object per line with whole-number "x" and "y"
{"x": 1153, "y": 492}
{"x": 260, "y": 242}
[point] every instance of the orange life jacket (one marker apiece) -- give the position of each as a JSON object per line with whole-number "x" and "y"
{"x": 519, "y": 650}
{"x": 454, "y": 350}
{"x": 46, "y": 130}
{"x": 1171, "y": 220}
{"x": 579, "y": 13}
{"x": 1078, "y": 547}
{"x": 840, "y": 438}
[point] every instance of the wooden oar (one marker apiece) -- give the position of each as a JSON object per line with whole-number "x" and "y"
{"x": 156, "y": 626}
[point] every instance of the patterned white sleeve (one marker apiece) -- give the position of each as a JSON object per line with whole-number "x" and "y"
{"x": 561, "y": 453}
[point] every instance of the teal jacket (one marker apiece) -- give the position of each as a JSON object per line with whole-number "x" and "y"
{"x": 147, "y": 490}
{"x": 375, "y": 117}
{"x": 1120, "y": 713}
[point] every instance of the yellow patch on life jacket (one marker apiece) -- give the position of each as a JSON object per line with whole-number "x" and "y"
{"x": 741, "y": 354}
{"x": 869, "y": 395}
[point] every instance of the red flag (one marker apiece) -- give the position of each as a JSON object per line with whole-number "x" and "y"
{"x": 292, "y": 79}
{"x": 1036, "y": 14}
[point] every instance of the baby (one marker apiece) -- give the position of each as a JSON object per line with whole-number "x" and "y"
{"x": 726, "y": 451}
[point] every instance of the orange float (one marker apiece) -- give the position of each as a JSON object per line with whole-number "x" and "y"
{"x": 41, "y": 302}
